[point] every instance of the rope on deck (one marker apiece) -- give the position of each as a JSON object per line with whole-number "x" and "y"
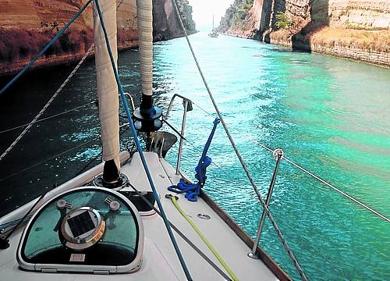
{"x": 238, "y": 154}
{"x": 203, "y": 237}
{"x": 182, "y": 235}
{"x": 139, "y": 148}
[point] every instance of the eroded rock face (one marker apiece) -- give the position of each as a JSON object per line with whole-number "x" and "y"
{"x": 358, "y": 29}
{"x": 368, "y": 14}
{"x": 241, "y": 18}
{"x": 373, "y": 14}
{"x": 365, "y": 14}
{"x": 166, "y": 24}
{"x": 26, "y": 25}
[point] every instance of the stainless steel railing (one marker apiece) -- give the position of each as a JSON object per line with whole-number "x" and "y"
{"x": 187, "y": 105}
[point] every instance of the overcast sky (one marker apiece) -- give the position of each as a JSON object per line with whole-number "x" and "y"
{"x": 203, "y": 11}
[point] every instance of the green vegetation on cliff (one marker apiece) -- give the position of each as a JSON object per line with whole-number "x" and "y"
{"x": 357, "y": 29}
{"x": 235, "y": 15}
{"x": 186, "y": 12}
{"x": 166, "y": 24}
{"x": 283, "y": 21}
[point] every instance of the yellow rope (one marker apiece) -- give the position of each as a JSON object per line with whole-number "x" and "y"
{"x": 204, "y": 239}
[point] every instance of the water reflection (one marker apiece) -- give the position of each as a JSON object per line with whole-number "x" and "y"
{"x": 328, "y": 114}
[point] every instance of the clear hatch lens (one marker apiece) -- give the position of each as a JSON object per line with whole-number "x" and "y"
{"x": 87, "y": 229}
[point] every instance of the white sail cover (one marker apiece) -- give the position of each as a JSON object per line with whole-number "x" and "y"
{"x": 145, "y": 33}
{"x": 107, "y": 89}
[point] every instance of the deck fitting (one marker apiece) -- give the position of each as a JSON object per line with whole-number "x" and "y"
{"x": 4, "y": 243}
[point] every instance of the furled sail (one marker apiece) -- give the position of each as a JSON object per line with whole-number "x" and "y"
{"x": 147, "y": 116}
{"x": 145, "y": 31}
{"x": 107, "y": 89}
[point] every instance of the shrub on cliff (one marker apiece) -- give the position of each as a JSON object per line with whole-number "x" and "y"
{"x": 186, "y": 13}
{"x": 235, "y": 15}
{"x": 283, "y": 21}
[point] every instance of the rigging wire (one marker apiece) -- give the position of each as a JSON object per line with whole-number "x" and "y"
{"x": 343, "y": 193}
{"x": 202, "y": 236}
{"x": 182, "y": 235}
{"x": 45, "y": 48}
{"x": 138, "y": 145}
{"x": 48, "y": 117}
{"x": 49, "y": 102}
{"x": 243, "y": 164}
{"x": 318, "y": 178}
{"x": 46, "y": 160}
{"x": 57, "y": 92}
{"x": 16, "y": 223}
{"x": 93, "y": 159}
{"x": 4, "y": 242}
{"x": 5, "y": 234}
{"x": 52, "y": 157}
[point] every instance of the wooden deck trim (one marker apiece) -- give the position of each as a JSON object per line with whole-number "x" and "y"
{"x": 268, "y": 261}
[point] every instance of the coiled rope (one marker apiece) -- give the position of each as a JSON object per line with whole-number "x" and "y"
{"x": 243, "y": 164}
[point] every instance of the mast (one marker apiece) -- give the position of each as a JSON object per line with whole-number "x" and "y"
{"x": 213, "y": 22}
{"x": 147, "y": 116}
{"x": 107, "y": 90}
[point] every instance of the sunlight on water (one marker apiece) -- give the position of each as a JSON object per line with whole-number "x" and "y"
{"x": 330, "y": 115}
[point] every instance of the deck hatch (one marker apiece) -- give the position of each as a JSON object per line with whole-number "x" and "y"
{"x": 98, "y": 224}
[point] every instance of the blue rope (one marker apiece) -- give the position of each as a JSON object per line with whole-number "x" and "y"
{"x": 47, "y": 46}
{"x": 139, "y": 149}
{"x": 192, "y": 190}
{"x": 210, "y": 138}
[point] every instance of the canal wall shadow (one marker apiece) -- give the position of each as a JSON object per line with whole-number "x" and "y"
{"x": 270, "y": 8}
{"x": 319, "y": 18}
{"x": 308, "y": 16}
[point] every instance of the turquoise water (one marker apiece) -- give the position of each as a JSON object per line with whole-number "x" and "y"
{"x": 330, "y": 115}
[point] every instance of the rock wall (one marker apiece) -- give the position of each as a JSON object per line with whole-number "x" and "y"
{"x": 364, "y": 14}
{"x": 166, "y": 24}
{"x": 369, "y": 14}
{"x": 240, "y": 19}
{"x": 357, "y": 29}
{"x": 26, "y": 25}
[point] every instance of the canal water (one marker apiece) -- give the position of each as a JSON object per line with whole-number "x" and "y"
{"x": 329, "y": 115}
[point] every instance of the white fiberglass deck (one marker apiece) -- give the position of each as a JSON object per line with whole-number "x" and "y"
{"x": 159, "y": 260}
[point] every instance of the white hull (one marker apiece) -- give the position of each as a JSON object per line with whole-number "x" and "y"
{"x": 160, "y": 261}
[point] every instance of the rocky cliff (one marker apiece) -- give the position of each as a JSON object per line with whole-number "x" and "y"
{"x": 166, "y": 24}
{"x": 358, "y": 29}
{"x": 26, "y": 25}
{"x": 240, "y": 19}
